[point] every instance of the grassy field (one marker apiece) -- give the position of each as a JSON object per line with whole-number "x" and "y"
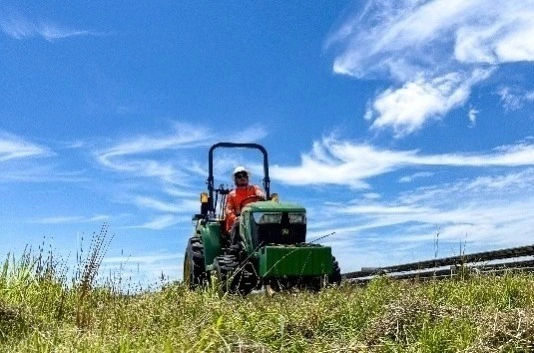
{"x": 42, "y": 311}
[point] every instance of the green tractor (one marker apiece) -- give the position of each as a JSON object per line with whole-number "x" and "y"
{"x": 268, "y": 247}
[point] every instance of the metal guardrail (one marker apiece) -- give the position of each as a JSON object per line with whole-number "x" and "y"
{"x": 448, "y": 266}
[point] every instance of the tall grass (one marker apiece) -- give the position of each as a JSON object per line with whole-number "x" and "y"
{"x": 480, "y": 314}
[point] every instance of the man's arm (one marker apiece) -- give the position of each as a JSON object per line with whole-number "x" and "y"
{"x": 258, "y": 191}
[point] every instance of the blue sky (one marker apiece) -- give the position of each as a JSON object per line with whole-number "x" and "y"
{"x": 390, "y": 123}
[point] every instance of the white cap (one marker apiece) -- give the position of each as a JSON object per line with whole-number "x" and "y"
{"x": 240, "y": 169}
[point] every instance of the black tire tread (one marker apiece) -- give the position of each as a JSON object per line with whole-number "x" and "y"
{"x": 195, "y": 256}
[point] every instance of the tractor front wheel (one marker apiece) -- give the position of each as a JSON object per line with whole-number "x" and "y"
{"x": 194, "y": 270}
{"x": 335, "y": 277}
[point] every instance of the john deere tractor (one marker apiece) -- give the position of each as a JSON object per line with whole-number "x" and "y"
{"x": 267, "y": 247}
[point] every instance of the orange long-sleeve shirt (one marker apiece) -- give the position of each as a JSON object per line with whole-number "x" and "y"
{"x": 234, "y": 199}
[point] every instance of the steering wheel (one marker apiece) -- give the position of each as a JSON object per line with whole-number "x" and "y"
{"x": 249, "y": 199}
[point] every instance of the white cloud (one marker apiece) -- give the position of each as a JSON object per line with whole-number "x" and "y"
{"x": 172, "y": 159}
{"x": 185, "y": 137}
{"x": 133, "y": 156}
{"x": 509, "y": 101}
{"x": 19, "y": 171}
{"x": 148, "y": 202}
{"x": 447, "y": 45}
{"x": 18, "y": 27}
{"x": 499, "y": 35}
{"x": 406, "y": 109}
{"x": 71, "y": 219}
{"x": 179, "y": 192}
{"x": 371, "y": 195}
{"x": 161, "y": 222}
{"x": 76, "y": 144}
{"x": 247, "y": 134}
{"x": 144, "y": 259}
{"x": 472, "y": 115}
{"x": 483, "y": 213}
{"x": 169, "y": 162}
{"x": 333, "y": 162}
{"x": 514, "y": 98}
{"x": 184, "y": 205}
{"x": 13, "y": 147}
{"x": 344, "y": 163}
{"x": 410, "y": 178}
{"x": 409, "y": 32}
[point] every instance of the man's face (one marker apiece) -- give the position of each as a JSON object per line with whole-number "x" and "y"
{"x": 241, "y": 179}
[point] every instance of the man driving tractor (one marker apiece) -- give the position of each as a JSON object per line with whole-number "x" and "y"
{"x": 260, "y": 244}
{"x": 239, "y": 196}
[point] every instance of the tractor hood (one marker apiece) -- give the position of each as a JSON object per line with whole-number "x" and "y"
{"x": 272, "y": 206}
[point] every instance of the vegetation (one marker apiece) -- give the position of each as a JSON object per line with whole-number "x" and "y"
{"x": 41, "y": 312}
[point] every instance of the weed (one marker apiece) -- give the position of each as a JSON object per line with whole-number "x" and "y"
{"x": 39, "y": 312}
{"x": 87, "y": 273}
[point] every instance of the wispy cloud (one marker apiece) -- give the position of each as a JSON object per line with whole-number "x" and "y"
{"x": 137, "y": 155}
{"x": 410, "y": 178}
{"x": 167, "y": 167}
{"x": 398, "y": 37}
{"x": 343, "y": 163}
{"x": 71, "y": 219}
{"x": 29, "y": 172}
{"x": 485, "y": 212}
{"x": 131, "y": 154}
{"x": 13, "y": 147}
{"x": 514, "y": 99}
{"x": 171, "y": 158}
{"x": 18, "y": 27}
{"x": 21, "y": 162}
{"x": 247, "y": 134}
{"x": 181, "y": 206}
{"x": 183, "y": 136}
{"x": 435, "y": 51}
{"x": 162, "y": 222}
{"x": 144, "y": 259}
{"x": 149, "y": 202}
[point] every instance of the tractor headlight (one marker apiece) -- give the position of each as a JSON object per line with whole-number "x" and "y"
{"x": 297, "y": 218}
{"x": 267, "y": 218}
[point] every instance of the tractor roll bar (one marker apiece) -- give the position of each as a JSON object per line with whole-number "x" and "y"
{"x": 211, "y": 180}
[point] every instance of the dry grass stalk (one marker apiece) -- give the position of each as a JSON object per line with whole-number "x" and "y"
{"x": 89, "y": 270}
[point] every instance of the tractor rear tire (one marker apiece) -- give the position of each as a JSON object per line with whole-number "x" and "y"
{"x": 194, "y": 268}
